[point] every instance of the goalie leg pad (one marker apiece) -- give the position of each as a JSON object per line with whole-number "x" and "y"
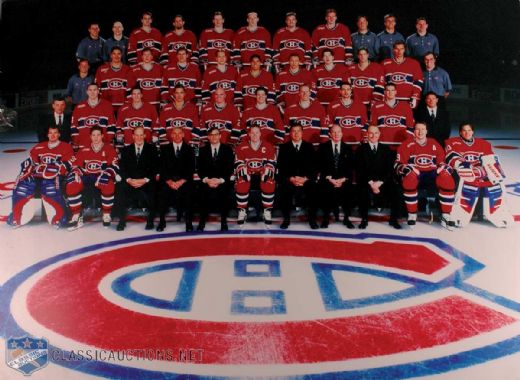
{"x": 494, "y": 206}
{"x": 53, "y": 202}
{"x": 464, "y": 205}
{"x": 410, "y": 182}
{"x": 22, "y": 194}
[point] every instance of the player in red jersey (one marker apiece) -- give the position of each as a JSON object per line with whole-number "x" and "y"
{"x": 182, "y": 73}
{"x": 367, "y": 79}
{"x": 43, "y": 171}
{"x": 114, "y": 79}
{"x": 222, "y": 115}
{"x": 255, "y": 161}
{"x": 393, "y": 117}
{"x": 288, "y": 83}
{"x": 252, "y": 40}
{"x": 328, "y": 78}
{"x": 148, "y": 76}
{"x": 180, "y": 113}
{"x": 310, "y": 115}
{"x": 266, "y": 116}
{"x": 420, "y": 161}
{"x": 405, "y": 73}
{"x": 142, "y": 38}
{"x": 94, "y": 166}
{"x": 91, "y": 112}
{"x": 177, "y": 38}
{"x": 334, "y": 36}
{"x": 480, "y": 174}
{"x": 213, "y": 40}
{"x": 254, "y": 77}
{"x": 350, "y": 114}
{"x": 291, "y": 40}
{"x": 136, "y": 114}
{"x": 222, "y": 76}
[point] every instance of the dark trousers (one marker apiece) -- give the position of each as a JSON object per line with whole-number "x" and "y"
{"x": 333, "y": 196}
{"x": 214, "y": 198}
{"x": 127, "y": 195}
{"x": 288, "y": 191}
{"x": 390, "y": 192}
{"x": 182, "y": 198}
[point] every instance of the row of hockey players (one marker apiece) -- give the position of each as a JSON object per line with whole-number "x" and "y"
{"x": 326, "y": 177}
{"x": 116, "y": 79}
{"x": 394, "y": 117}
{"x": 256, "y": 40}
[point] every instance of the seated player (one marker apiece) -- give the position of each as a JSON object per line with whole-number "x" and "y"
{"x": 94, "y": 167}
{"x": 420, "y": 161}
{"x": 43, "y": 171}
{"x": 479, "y": 174}
{"x": 255, "y": 160}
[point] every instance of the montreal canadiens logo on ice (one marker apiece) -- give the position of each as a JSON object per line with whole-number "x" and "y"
{"x": 260, "y": 303}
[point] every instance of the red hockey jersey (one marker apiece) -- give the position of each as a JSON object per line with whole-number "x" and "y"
{"x": 407, "y": 77}
{"x": 286, "y": 43}
{"x": 424, "y": 158}
{"x": 114, "y": 85}
{"x": 268, "y": 119}
{"x": 288, "y": 86}
{"x": 85, "y": 116}
{"x": 188, "y": 76}
{"x": 460, "y": 150}
{"x": 395, "y": 123}
{"x": 328, "y": 82}
{"x": 91, "y": 162}
{"x": 255, "y": 160}
{"x": 352, "y": 119}
{"x": 212, "y": 41}
{"x": 130, "y": 118}
{"x": 367, "y": 84}
{"x": 250, "y": 83}
{"x": 42, "y": 153}
{"x": 173, "y": 41}
{"x": 150, "y": 82}
{"x": 226, "y": 119}
{"x": 336, "y": 39}
{"x": 229, "y": 80}
{"x": 187, "y": 118}
{"x": 313, "y": 119}
{"x": 246, "y": 44}
{"x": 140, "y": 39}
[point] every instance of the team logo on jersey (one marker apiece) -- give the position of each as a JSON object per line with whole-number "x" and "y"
{"x": 472, "y": 157}
{"x": 349, "y": 121}
{"x": 48, "y": 158}
{"x": 91, "y": 121}
{"x": 179, "y": 123}
{"x": 134, "y": 123}
{"x": 147, "y": 84}
{"x": 219, "y": 44}
{"x": 148, "y": 44}
{"x": 93, "y": 166}
{"x": 328, "y": 83}
{"x": 220, "y": 124}
{"x": 291, "y": 44}
{"x": 292, "y": 88}
{"x": 252, "y": 45}
{"x": 361, "y": 82}
{"x": 423, "y": 160}
{"x": 26, "y": 354}
{"x": 250, "y": 90}
{"x": 302, "y": 121}
{"x": 116, "y": 84}
{"x": 398, "y": 78}
{"x": 255, "y": 164}
{"x": 177, "y": 45}
{"x": 259, "y": 122}
{"x": 225, "y": 84}
{"x": 333, "y": 42}
{"x": 392, "y": 121}
{"x": 186, "y": 83}
{"x": 242, "y": 299}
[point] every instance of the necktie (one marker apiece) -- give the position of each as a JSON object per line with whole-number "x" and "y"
{"x": 177, "y": 152}
{"x": 60, "y": 120}
{"x": 432, "y": 115}
{"x": 138, "y": 154}
{"x": 336, "y": 156}
{"x": 215, "y": 153}
{"x": 374, "y": 149}
{"x": 297, "y": 147}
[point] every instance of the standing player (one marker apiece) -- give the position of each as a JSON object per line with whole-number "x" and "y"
{"x": 176, "y": 39}
{"x": 367, "y": 79}
{"x": 386, "y": 39}
{"x": 252, "y": 40}
{"x": 328, "y": 78}
{"x": 43, "y": 172}
{"x": 418, "y": 44}
{"x": 405, "y": 73}
{"x": 266, "y": 116}
{"x": 288, "y": 83}
{"x": 180, "y": 114}
{"x": 350, "y": 114}
{"x": 114, "y": 78}
{"x": 254, "y": 77}
{"x": 148, "y": 76}
{"x": 255, "y": 161}
{"x": 96, "y": 167}
{"x": 117, "y": 39}
{"x": 145, "y": 37}
{"x": 93, "y": 111}
{"x": 183, "y": 73}
{"x": 393, "y": 117}
{"x": 214, "y": 39}
{"x": 364, "y": 38}
{"x": 333, "y": 36}
{"x": 310, "y": 115}
{"x": 222, "y": 76}
{"x": 137, "y": 114}
{"x": 421, "y": 162}
{"x": 291, "y": 40}
{"x": 222, "y": 115}
{"x": 479, "y": 174}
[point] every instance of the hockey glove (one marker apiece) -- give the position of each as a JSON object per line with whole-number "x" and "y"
{"x": 104, "y": 178}
{"x": 404, "y": 169}
{"x": 444, "y": 168}
{"x": 268, "y": 174}
{"x": 26, "y": 168}
{"x": 242, "y": 173}
{"x": 74, "y": 176}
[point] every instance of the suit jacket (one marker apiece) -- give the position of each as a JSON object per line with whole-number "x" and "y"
{"x": 327, "y": 165}
{"x": 176, "y": 168}
{"x": 146, "y": 167}
{"x": 47, "y": 120}
{"x": 438, "y": 128}
{"x": 300, "y": 163}
{"x": 221, "y": 167}
{"x": 374, "y": 167}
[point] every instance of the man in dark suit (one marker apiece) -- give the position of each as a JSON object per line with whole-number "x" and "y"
{"x": 297, "y": 171}
{"x": 58, "y": 118}
{"x": 176, "y": 173}
{"x": 336, "y": 165}
{"x": 215, "y": 167}
{"x": 374, "y": 168}
{"x": 436, "y": 118}
{"x": 138, "y": 169}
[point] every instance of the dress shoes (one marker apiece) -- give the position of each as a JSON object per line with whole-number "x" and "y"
{"x": 121, "y": 226}
{"x": 348, "y": 224}
{"x": 313, "y": 225}
{"x": 363, "y": 224}
{"x": 161, "y": 226}
{"x": 285, "y": 224}
{"x": 394, "y": 223}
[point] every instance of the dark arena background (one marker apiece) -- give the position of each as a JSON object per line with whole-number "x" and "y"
{"x": 257, "y": 301}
